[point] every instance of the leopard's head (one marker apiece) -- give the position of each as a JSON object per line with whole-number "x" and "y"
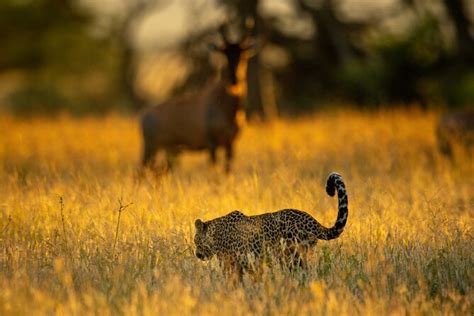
{"x": 203, "y": 240}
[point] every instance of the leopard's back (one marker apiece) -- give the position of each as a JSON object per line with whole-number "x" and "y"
{"x": 290, "y": 225}
{"x": 237, "y": 232}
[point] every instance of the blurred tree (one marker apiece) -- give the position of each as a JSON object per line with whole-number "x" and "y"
{"x": 364, "y": 62}
{"x": 60, "y": 62}
{"x": 456, "y": 10}
{"x": 332, "y": 36}
{"x": 26, "y": 26}
{"x": 315, "y": 60}
{"x": 314, "y": 54}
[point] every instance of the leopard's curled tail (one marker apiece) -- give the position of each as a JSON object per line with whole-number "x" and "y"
{"x": 333, "y": 184}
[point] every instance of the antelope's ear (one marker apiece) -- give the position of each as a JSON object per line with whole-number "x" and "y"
{"x": 214, "y": 47}
{"x": 200, "y": 225}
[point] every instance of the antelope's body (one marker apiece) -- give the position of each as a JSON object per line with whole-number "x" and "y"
{"x": 192, "y": 122}
{"x": 203, "y": 121}
{"x": 456, "y": 129}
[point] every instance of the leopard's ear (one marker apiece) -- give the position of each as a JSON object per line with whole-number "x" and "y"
{"x": 200, "y": 225}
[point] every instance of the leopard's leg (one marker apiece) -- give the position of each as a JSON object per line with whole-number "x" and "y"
{"x": 253, "y": 265}
{"x": 295, "y": 255}
{"x": 303, "y": 257}
{"x": 232, "y": 269}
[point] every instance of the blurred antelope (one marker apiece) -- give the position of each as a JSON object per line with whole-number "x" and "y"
{"x": 204, "y": 121}
{"x": 456, "y": 128}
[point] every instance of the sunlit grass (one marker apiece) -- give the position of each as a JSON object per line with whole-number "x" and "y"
{"x": 408, "y": 246}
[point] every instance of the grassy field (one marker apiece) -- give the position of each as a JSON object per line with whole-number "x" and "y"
{"x": 408, "y": 247}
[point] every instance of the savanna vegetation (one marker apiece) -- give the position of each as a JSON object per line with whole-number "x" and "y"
{"x": 80, "y": 233}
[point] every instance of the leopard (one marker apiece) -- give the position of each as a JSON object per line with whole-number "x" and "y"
{"x": 242, "y": 242}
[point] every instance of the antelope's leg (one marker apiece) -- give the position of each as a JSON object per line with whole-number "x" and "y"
{"x": 213, "y": 154}
{"x": 171, "y": 156}
{"x": 149, "y": 153}
{"x": 229, "y": 156}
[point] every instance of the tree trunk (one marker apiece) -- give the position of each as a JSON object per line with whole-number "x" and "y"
{"x": 246, "y": 9}
{"x": 254, "y": 95}
{"x": 458, "y": 15}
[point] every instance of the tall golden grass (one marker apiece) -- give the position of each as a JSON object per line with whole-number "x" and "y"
{"x": 408, "y": 247}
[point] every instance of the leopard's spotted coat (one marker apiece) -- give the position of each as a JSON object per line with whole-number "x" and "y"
{"x": 239, "y": 240}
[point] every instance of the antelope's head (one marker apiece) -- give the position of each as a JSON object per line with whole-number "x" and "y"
{"x": 237, "y": 53}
